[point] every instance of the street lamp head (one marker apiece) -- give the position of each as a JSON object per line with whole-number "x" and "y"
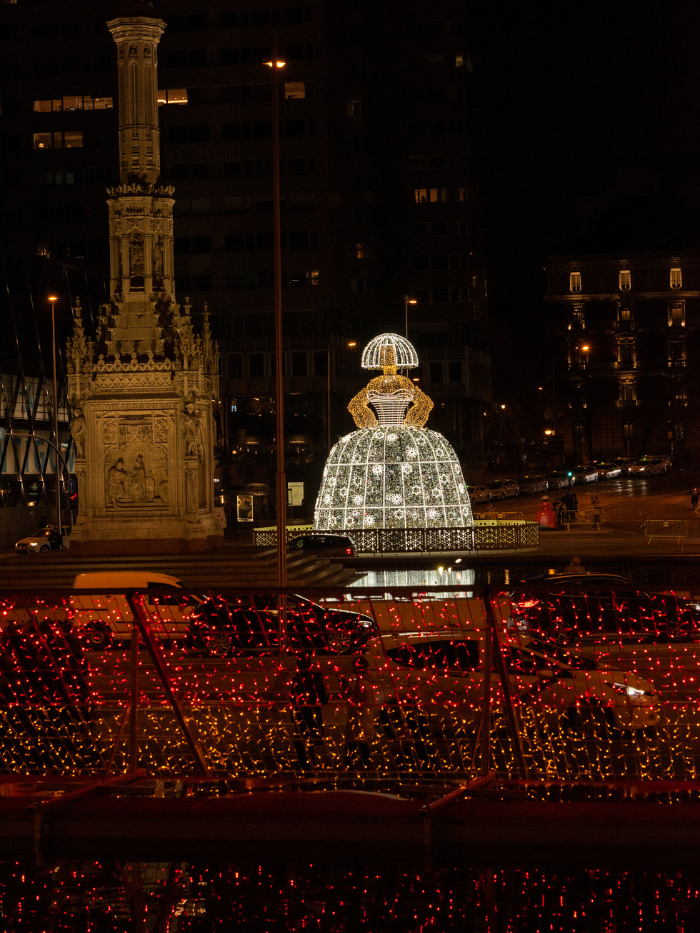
{"x": 275, "y": 64}
{"x": 53, "y": 298}
{"x": 585, "y": 348}
{"x": 413, "y": 301}
{"x": 353, "y": 343}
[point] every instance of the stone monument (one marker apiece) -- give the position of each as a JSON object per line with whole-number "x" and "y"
{"x": 143, "y": 392}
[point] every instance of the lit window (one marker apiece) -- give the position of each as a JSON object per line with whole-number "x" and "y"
{"x": 575, "y": 281}
{"x": 628, "y": 392}
{"x": 459, "y": 61}
{"x": 578, "y": 316}
{"x": 676, "y": 278}
{"x": 676, "y": 314}
{"x": 429, "y": 195}
{"x": 172, "y": 96}
{"x": 354, "y": 108}
{"x": 73, "y": 103}
{"x": 294, "y": 90}
{"x": 625, "y": 280}
{"x": 624, "y": 314}
{"x": 462, "y": 194}
{"x": 71, "y": 139}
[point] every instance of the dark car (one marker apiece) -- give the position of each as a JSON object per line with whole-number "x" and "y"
{"x": 531, "y": 484}
{"x": 592, "y": 608}
{"x": 558, "y": 479}
{"x": 503, "y": 488}
{"x": 323, "y": 544}
{"x": 250, "y": 625}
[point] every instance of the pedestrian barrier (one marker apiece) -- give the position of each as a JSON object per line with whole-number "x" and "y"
{"x": 267, "y": 537}
{"x": 673, "y": 528}
{"x": 592, "y": 516}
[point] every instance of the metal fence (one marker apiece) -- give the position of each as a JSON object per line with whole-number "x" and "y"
{"x": 493, "y": 534}
{"x": 422, "y": 685}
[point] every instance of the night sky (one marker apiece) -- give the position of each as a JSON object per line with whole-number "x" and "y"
{"x": 591, "y": 144}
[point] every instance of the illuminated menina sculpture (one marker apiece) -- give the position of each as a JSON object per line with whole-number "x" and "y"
{"x": 392, "y": 472}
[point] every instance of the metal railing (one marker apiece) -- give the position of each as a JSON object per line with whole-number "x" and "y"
{"x": 487, "y": 534}
{"x": 672, "y": 528}
{"x": 591, "y": 516}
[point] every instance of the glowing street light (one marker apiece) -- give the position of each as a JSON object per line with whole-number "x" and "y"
{"x": 406, "y": 302}
{"x": 53, "y": 299}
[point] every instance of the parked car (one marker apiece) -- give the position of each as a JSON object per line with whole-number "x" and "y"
{"x": 607, "y": 470}
{"x": 479, "y": 494}
{"x": 529, "y": 485}
{"x": 583, "y": 474}
{"x": 558, "y": 479}
{"x": 624, "y": 463}
{"x": 250, "y": 626}
{"x": 36, "y": 543}
{"x": 442, "y": 673}
{"x": 324, "y": 545}
{"x": 101, "y": 618}
{"x": 588, "y": 608}
{"x": 648, "y": 466}
{"x": 503, "y": 488}
{"x": 663, "y": 457}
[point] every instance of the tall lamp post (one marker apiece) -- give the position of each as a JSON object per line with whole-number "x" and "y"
{"x": 53, "y": 299}
{"x": 281, "y": 484}
{"x": 406, "y": 302}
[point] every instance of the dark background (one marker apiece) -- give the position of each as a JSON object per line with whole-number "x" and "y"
{"x": 591, "y": 144}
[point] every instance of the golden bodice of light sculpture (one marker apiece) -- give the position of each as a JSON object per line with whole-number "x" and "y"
{"x": 391, "y": 395}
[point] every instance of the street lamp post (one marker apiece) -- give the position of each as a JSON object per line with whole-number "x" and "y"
{"x": 53, "y": 299}
{"x": 406, "y": 302}
{"x": 281, "y": 484}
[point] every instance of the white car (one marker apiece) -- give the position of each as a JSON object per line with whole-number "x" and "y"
{"x": 648, "y": 466}
{"x": 442, "y": 672}
{"x": 479, "y": 494}
{"x": 35, "y": 543}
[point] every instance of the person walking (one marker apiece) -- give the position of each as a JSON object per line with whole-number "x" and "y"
{"x": 694, "y": 498}
{"x": 307, "y": 696}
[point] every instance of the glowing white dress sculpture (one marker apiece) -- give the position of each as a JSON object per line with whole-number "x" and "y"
{"x": 392, "y": 472}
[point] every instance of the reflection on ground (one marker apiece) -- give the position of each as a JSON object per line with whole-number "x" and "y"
{"x": 182, "y": 897}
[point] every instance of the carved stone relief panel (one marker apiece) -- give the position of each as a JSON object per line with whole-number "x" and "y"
{"x": 136, "y": 461}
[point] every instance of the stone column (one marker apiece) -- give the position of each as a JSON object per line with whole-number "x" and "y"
{"x": 137, "y": 39}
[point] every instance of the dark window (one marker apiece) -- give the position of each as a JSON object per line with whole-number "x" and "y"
{"x": 455, "y": 371}
{"x": 320, "y": 363}
{"x": 441, "y": 294}
{"x": 296, "y": 166}
{"x": 181, "y": 170}
{"x": 235, "y": 365}
{"x": 229, "y": 56}
{"x": 197, "y": 58}
{"x": 259, "y": 17}
{"x": 232, "y": 168}
{"x": 262, "y": 129}
{"x": 419, "y": 263}
{"x": 231, "y": 131}
{"x": 436, "y": 373}
{"x": 234, "y": 242}
{"x": 201, "y": 244}
{"x": 183, "y": 283}
{"x": 228, "y": 19}
{"x": 298, "y": 240}
{"x": 177, "y": 134}
{"x": 416, "y": 129}
{"x": 256, "y": 365}
{"x": 201, "y": 281}
{"x": 438, "y": 229}
{"x": 294, "y": 53}
{"x": 199, "y": 133}
{"x": 419, "y": 229}
{"x": 177, "y": 59}
{"x": 200, "y": 170}
{"x": 196, "y": 21}
{"x": 299, "y": 363}
{"x": 181, "y": 244}
{"x": 439, "y": 262}
{"x": 295, "y": 128}
{"x": 264, "y": 241}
